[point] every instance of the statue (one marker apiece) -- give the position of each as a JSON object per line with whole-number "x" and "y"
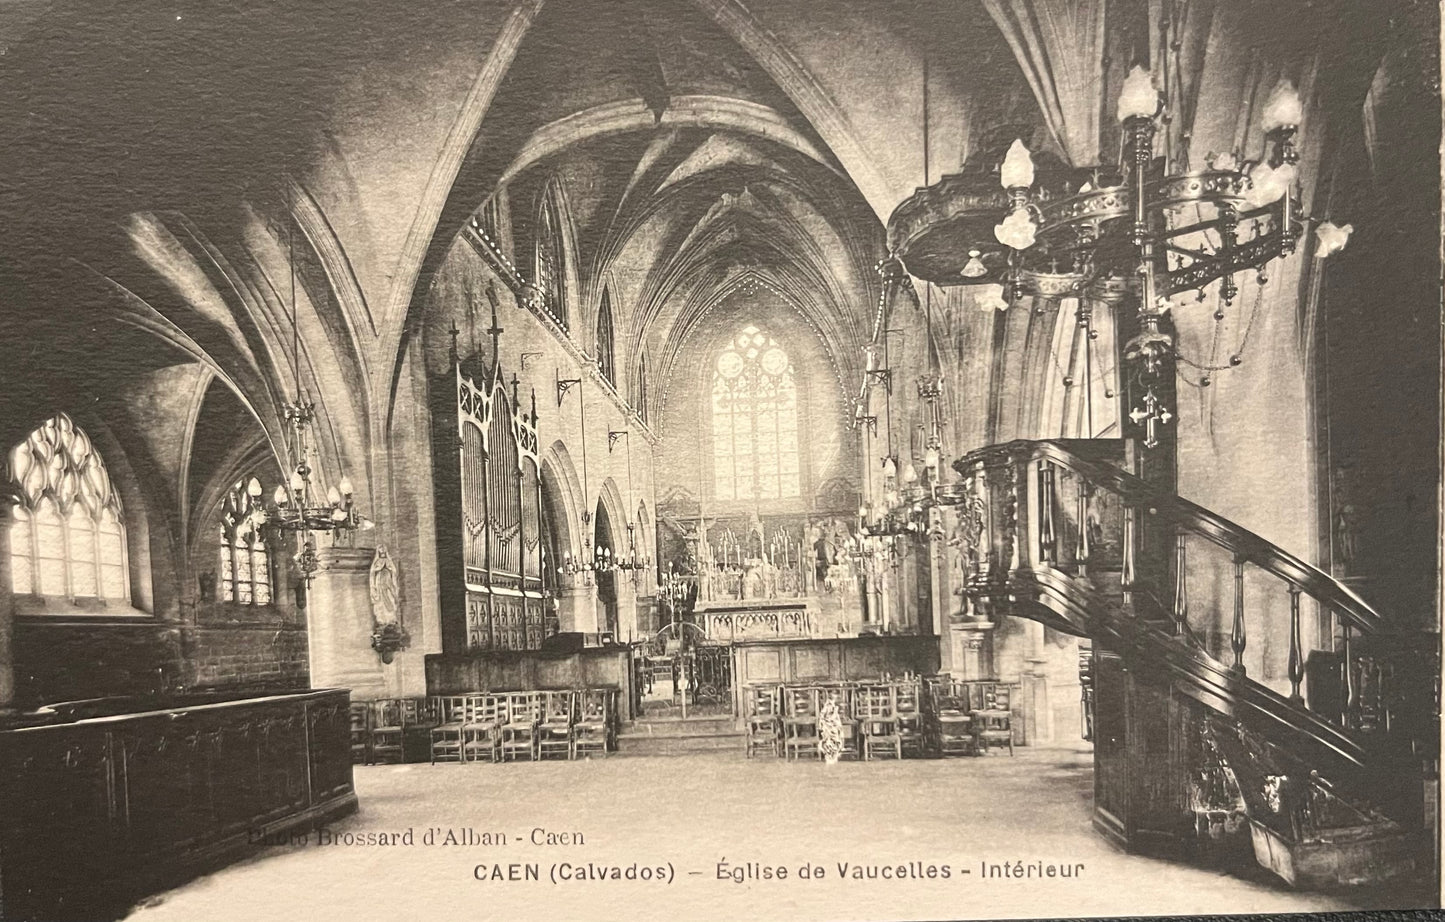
{"x": 383, "y": 587}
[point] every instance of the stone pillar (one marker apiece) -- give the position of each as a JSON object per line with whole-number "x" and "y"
{"x": 577, "y": 610}
{"x": 972, "y": 654}
{"x": 7, "y": 614}
{"x": 338, "y": 624}
{"x": 1038, "y": 714}
{"x": 627, "y": 627}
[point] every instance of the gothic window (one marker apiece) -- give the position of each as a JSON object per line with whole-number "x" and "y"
{"x": 68, "y": 535}
{"x": 551, "y": 271}
{"x": 606, "y": 356}
{"x": 754, "y": 420}
{"x": 245, "y": 558}
{"x": 639, "y": 400}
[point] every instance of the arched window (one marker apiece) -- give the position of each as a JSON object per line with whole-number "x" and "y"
{"x": 754, "y": 420}
{"x": 245, "y": 558}
{"x": 639, "y": 399}
{"x": 68, "y": 538}
{"x": 550, "y": 270}
{"x": 606, "y": 357}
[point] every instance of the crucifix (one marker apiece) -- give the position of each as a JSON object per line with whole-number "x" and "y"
{"x": 1152, "y": 415}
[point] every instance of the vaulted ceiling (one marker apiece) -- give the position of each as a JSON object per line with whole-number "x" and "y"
{"x": 166, "y": 166}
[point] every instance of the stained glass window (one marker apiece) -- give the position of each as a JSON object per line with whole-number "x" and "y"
{"x": 245, "y": 558}
{"x": 68, "y": 534}
{"x": 754, "y": 420}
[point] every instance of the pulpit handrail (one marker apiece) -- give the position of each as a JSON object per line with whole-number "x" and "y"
{"x": 1244, "y": 544}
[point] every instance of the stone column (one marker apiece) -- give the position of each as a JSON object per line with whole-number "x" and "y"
{"x": 972, "y": 654}
{"x": 7, "y": 614}
{"x": 626, "y": 607}
{"x": 577, "y": 610}
{"x": 338, "y": 624}
{"x": 1038, "y": 713}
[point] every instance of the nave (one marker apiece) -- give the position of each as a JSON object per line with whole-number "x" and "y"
{"x": 698, "y": 811}
{"x": 738, "y": 418}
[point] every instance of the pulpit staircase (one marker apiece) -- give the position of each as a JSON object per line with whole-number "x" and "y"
{"x": 1331, "y": 777}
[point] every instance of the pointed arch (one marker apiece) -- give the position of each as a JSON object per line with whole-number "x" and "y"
{"x": 68, "y": 535}
{"x": 549, "y": 251}
{"x": 562, "y": 496}
{"x": 610, "y": 498}
{"x": 641, "y": 382}
{"x": 606, "y": 347}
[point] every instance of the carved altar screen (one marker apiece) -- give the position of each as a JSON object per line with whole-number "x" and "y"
{"x": 500, "y": 517}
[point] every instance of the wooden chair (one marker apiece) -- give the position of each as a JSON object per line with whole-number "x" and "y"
{"x": 800, "y": 721}
{"x": 879, "y": 722}
{"x": 446, "y": 735}
{"x": 592, "y": 731}
{"x": 994, "y": 724}
{"x": 908, "y": 709}
{"x": 559, "y": 717}
{"x": 481, "y": 729}
{"x": 387, "y": 730}
{"x": 764, "y": 719}
{"x": 360, "y": 712}
{"x": 519, "y": 733}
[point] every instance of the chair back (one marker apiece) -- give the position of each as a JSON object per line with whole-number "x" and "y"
{"x": 360, "y": 712}
{"x": 559, "y": 707}
{"x": 413, "y": 711}
{"x": 451, "y": 708}
{"x": 905, "y": 697}
{"x": 762, "y": 701}
{"x": 875, "y": 701}
{"x": 801, "y": 701}
{"x": 524, "y": 707}
{"x": 386, "y": 712}
{"x": 595, "y": 706}
{"x": 1001, "y": 698}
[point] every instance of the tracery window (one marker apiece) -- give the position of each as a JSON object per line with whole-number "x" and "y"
{"x": 68, "y": 535}
{"x": 245, "y": 558}
{"x": 754, "y": 420}
{"x": 606, "y": 354}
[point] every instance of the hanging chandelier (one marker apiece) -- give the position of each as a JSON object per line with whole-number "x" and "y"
{"x": 297, "y": 505}
{"x": 1148, "y": 229}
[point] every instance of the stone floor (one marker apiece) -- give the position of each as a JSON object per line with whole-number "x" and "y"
{"x": 699, "y": 819}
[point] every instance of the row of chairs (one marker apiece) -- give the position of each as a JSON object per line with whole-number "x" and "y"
{"x": 966, "y": 718}
{"x": 530, "y": 725}
{"x": 379, "y": 728}
{"x": 910, "y": 718}
{"x": 487, "y": 726}
{"x": 879, "y": 720}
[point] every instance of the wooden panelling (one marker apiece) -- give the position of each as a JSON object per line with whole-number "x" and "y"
{"x": 99, "y": 811}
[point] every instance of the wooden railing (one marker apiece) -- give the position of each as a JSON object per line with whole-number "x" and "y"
{"x": 1057, "y": 525}
{"x": 97, "y": 811}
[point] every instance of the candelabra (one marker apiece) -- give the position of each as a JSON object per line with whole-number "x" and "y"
{"x": 1147, "y": 229}
{"x": 293, "y": 506}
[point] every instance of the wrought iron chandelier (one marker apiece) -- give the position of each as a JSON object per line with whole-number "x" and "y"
{"x": 1147, "y": 229}
{"x": 297, "y": 506}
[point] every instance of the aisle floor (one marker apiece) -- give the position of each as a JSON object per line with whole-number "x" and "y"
{"x": 700, "y": 819}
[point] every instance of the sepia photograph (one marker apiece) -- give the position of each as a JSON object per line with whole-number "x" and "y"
{"x": 719, "y": 459}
